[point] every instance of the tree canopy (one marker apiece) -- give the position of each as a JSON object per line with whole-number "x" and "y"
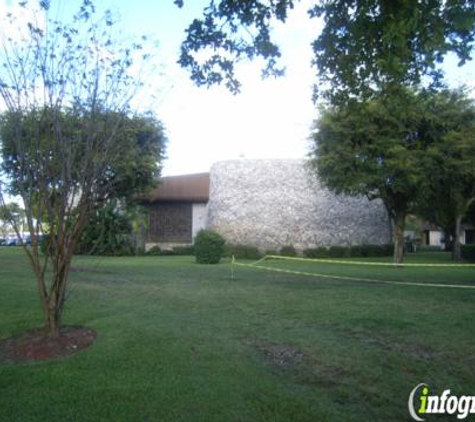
{"x": 448, "y": 190}
{"x": 409, "y": 149}
{"x": 373, "y": 148}
{"x": 364, "y": 45}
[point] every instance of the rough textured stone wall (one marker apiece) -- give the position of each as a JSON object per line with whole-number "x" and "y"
{"x": 273, "y": 203}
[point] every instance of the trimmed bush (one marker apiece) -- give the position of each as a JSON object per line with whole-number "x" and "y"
{"x": 288, "y": 250}
{"x": 154, "y": 251}
{"x": 468, "y": 252}
{"x": 167, "y": 252}
{"x": 243, "y": 252}
{"x": 314, "y": 253}
{"x": 357, "y": 251}
{"x": 371, "y": 251}
{"x": 209, "y": 247}
{"x": 183, "y": 250}
{"x": 339, "y": 252}
{"x": 429, "y": 248}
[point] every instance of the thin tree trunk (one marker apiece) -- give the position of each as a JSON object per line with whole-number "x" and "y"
{"x": 398, "y": 236}
{"x": 54, "y": 302}
{"x": 52, "y": 318}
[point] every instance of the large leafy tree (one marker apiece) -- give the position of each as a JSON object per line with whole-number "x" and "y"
{"x": 448, "y": 191}
{"x": 415, "y": 150}
{"x": 363, "y": 47}
{"x": 67, "y": 88}
{"x": 374, "y": 148}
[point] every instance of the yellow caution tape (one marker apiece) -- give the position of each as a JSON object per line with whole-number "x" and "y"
{"x": 381, "y": 264}
{"x": 367, "y": 280}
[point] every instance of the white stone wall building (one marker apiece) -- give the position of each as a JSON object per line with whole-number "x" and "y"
{"x": 268, "y": 204}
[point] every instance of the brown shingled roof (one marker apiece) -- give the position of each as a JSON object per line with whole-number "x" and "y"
{"x": 189, "y": 188}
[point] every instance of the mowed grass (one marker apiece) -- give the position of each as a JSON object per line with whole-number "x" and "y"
{"x": 178, "y": 341}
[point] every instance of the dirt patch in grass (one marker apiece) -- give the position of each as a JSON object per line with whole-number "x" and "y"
{"x": 307, "y": 369}
{"x": 281, "y": 355}
{"x": 34, "y": 345}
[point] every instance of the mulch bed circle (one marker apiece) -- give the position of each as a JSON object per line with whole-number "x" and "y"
{"x": 34, "y": 345}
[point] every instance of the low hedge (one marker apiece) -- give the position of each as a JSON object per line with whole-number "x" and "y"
{"x": 314, "y": 253}
{"x": 242, "y": 252}
{"x": 288, "y": 250}
{"x": 372, "y": 250}
{"x": 339, "y": 252}
{"x": 429, "y": 248}
{"x": 356, "y": 251}
{"x": 176, "y": 251}
{"x": 468, "y": 252}
{"x": 183, "y": 250}
{"x": 154, "y": 251}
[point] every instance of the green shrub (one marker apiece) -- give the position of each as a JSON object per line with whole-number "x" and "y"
{"x": 429, "y": 248}
{"x": 468, "y": 252}
{"x": 183, "y": 250}
{"x": 288, "y": 250}
{"x": 314, "y": 253}
{"x": 357, "y": 251}
{"x": 271, "y": 252}
{"x": 388, "y": 250}
{"x": 243, "y": 252}
{"x": 108, "y": 233}
{"x": 167, "y": 252}
{"x": 209, "y": 247}
{"x": 339, "y": 252}
{"x": 371, "y": 251}
{"x": 154, "y": 250}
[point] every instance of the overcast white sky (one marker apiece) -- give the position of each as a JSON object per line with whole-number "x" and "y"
{"x": 269, "y": 119}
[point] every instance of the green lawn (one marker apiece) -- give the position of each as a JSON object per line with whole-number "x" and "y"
{"x": 179, "y": 341}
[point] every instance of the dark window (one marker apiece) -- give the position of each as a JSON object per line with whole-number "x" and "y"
{"x": 171, "y": 223}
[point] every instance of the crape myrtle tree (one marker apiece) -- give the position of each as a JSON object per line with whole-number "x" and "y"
{"x": 116, "y": 226}
{"x": 67, "y": 89}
